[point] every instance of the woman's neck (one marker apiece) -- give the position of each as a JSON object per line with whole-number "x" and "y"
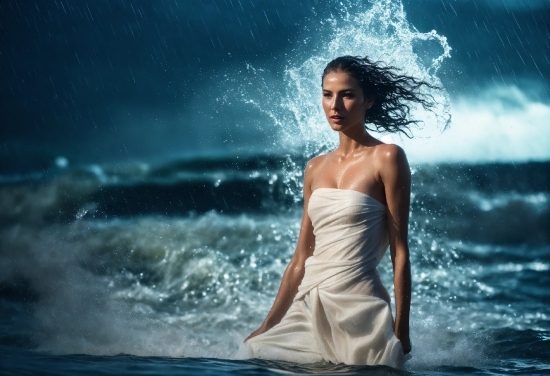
{"x": 352, "y": 140}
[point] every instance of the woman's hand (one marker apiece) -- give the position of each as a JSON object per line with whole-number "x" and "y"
{"x": 405, "y": 344}
{"x": 258, "y": 331}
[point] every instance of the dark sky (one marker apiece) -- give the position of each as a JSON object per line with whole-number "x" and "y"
{"x": 106, "y": 80}
{"x": 493, "y": 41}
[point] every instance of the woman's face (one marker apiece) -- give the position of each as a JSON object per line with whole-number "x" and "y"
{"x": 343, "y": 101}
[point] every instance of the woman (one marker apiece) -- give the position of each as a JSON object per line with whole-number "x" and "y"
{"x": 331, "y": 305}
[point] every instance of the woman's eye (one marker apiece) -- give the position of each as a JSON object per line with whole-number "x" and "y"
{"x": 326, "y": 95}
{"x": 348, "y": 95}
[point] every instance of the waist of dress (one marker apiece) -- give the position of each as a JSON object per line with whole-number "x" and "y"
{"x": 324, "y": 274}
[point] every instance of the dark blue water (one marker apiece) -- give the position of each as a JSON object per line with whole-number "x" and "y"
{"x": 23, "y": 363}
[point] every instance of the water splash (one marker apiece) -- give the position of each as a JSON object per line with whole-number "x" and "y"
{"x": 380, "y": 31}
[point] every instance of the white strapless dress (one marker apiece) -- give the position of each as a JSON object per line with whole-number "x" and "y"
{"x": 341, "y": 312}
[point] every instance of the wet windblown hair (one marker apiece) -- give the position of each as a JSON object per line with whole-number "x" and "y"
{"x": 391, "y": 92}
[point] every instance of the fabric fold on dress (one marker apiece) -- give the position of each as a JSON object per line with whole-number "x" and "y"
{"x": 341, "y": 312}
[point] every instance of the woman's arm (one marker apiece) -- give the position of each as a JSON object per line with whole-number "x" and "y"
{"x": 294, "y": 272}
{"x": 396, "y": 176}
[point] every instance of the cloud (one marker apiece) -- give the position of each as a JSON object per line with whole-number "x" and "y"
{"x": 502, "y": 124}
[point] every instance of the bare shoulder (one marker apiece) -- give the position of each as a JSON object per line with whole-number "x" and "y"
{"x": 391, "y": 158}
{"x": 389, "y": 153}
{"x": 312, "y": 168}
{"x": 315, "y": 163}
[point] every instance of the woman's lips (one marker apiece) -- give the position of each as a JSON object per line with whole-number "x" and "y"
{"x": 336, "y": 118}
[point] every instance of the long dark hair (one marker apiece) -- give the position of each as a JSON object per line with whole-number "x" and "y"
{"x": 391, "y": 92}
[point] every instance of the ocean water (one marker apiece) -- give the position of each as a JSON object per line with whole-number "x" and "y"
{"x": 167, "y": 267}
{"x": 150, "y": 187}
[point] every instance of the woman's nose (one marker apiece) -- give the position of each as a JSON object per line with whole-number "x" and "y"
{"x": 335, "y": 103}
